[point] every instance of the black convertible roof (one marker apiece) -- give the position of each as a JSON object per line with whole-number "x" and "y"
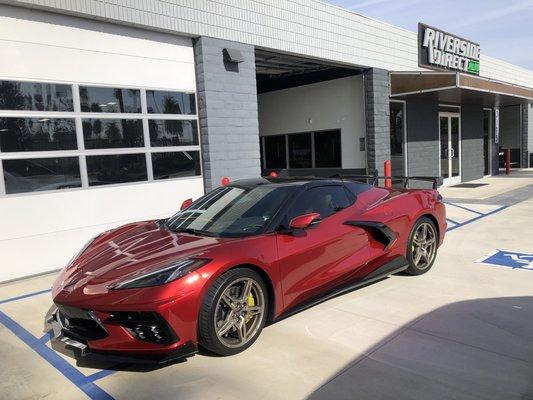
{"x": 295, "y": 181}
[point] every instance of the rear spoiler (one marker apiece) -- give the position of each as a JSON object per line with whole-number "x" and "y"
{"x": 374, "y": 179}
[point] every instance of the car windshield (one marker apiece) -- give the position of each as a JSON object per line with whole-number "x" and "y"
{"x": 231, "y": 211}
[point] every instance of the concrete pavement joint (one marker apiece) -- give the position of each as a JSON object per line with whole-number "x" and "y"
{"x": 24, "y": 296}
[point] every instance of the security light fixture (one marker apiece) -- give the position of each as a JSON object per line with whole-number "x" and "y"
{"x": 232, "y": 55}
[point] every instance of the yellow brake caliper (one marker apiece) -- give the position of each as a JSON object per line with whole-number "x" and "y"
{"x": 251, "y": 303}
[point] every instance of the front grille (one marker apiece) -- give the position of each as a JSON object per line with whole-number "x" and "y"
{"x": 79, "y": 324}
{"x": 145, "y": 326}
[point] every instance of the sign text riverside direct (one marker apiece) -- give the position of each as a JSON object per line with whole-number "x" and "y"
{"x": 443, "y": 50}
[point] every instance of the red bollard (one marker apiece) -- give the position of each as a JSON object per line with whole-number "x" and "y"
{"x": 507, "y": 161}
{"x": 388, "y": 174}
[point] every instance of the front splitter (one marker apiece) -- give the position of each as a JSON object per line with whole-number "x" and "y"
{"x": 74, "y": 348}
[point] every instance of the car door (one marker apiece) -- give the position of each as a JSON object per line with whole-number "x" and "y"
{"x": 323, "y": 256}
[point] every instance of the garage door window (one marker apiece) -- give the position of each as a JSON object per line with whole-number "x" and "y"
{"x": 176, "y": 164}
{"x": 163, "y": 102}
{"x": 37, "y": 134}
{"x": 121, "y": 168}
{"x": 112, "y": 133}
{"x": 110, "y": 100}
{"x": 171, "y": 132}
{"x": 35, "y": 96}
{"x": 320, "y": 149}
{"x": 56, "y": 136}
{"x": 41, "y": 174}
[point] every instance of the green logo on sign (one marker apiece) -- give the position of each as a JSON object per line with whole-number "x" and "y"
{"x": 473, "y": 67}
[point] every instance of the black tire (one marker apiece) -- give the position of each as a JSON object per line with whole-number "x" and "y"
{"x": 213, "y": 307}
{"x": 413, "y": 249}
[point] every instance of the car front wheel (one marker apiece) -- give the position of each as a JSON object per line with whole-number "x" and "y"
{"x": 233, "y": 312}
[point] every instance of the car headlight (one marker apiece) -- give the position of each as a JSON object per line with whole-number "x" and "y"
{"x": 163, "y": 275}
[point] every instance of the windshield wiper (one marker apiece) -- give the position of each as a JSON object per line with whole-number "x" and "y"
{"x": 197, "y": 232}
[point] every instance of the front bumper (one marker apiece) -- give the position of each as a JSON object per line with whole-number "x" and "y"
{"x": 66, "y": 342}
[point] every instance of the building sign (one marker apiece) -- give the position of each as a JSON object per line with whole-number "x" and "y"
{"x": 441, "y": 50}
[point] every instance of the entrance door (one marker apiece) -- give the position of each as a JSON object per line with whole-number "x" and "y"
{"x": 450, "y": 148}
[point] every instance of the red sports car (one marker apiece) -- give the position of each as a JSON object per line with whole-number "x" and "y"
{"x": 241, "y": 256}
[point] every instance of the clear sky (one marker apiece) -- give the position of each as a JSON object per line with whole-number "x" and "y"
{"x": 503, "y": 28}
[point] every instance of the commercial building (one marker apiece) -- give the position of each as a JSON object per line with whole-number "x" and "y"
{"x": 117, "y": 111}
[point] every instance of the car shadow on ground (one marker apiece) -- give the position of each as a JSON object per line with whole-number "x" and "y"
{"x": 475, "y": 349}
{"x": 140, "y": 367}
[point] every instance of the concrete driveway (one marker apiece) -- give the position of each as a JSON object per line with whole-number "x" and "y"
{"x": 463, "y": 331}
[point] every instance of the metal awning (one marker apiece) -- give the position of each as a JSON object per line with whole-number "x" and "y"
{"x": 456, "y": 87}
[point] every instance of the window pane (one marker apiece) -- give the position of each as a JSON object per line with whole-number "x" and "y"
{"x": 275, "y": 152}
{"x": 176, "y": 164}
{"x": 328, "y": 149}
{"x": 37, "y": 134}
{"x": 161, "y": 102}
{"x": 34, "y": 96}
{"x": 110, "y": 100}
{"x": 325, "y": 200}
{"x": 105, "y": 170}
{"x": 171, "y": 132}
{"x": 397, "y": 139}
{"x": 112, "y": 133}
{"x": 38, "y": 174}
{"x": 300, "y": 151}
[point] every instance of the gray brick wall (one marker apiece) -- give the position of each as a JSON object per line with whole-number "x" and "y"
{"x": 524, "y": 159}
{"x": 472, "y": 142}
{"x": 423, "y": 156}
{"x": 377, "y": 118}
{"x": 227, "y": 108}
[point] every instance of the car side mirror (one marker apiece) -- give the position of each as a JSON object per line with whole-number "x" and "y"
{"x": 305, "y": 221}
{"x": 186, "y": 204}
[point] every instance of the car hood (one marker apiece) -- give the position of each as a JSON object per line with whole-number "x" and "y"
{"x": 129, "y": 250}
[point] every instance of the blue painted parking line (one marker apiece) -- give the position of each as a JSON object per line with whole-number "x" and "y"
{"x": 24, "y": 296}
{"x": 105, "y": 372}
{"x": 451, "y": 228}
{"x": 84, "y": 383}
{"x": 463, "y": 207}
{"x": 46, "y": 337}
{"x": 452, "y": 221}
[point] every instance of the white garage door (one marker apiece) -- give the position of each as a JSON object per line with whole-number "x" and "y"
{"x": 98, "y": 127}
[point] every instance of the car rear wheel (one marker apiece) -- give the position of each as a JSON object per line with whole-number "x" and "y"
{"x": 422, "y": 246}
{"x": 233, "y": 312}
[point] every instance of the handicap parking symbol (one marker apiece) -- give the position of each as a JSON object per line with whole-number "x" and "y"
{"x": 510, "y": 259}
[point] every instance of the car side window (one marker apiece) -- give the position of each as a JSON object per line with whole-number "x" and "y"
{"x": 324, "y": 200}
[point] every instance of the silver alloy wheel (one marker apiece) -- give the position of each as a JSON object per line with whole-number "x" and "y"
{"x": 424, "y": 247}
{"x": 239, "y": 312}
